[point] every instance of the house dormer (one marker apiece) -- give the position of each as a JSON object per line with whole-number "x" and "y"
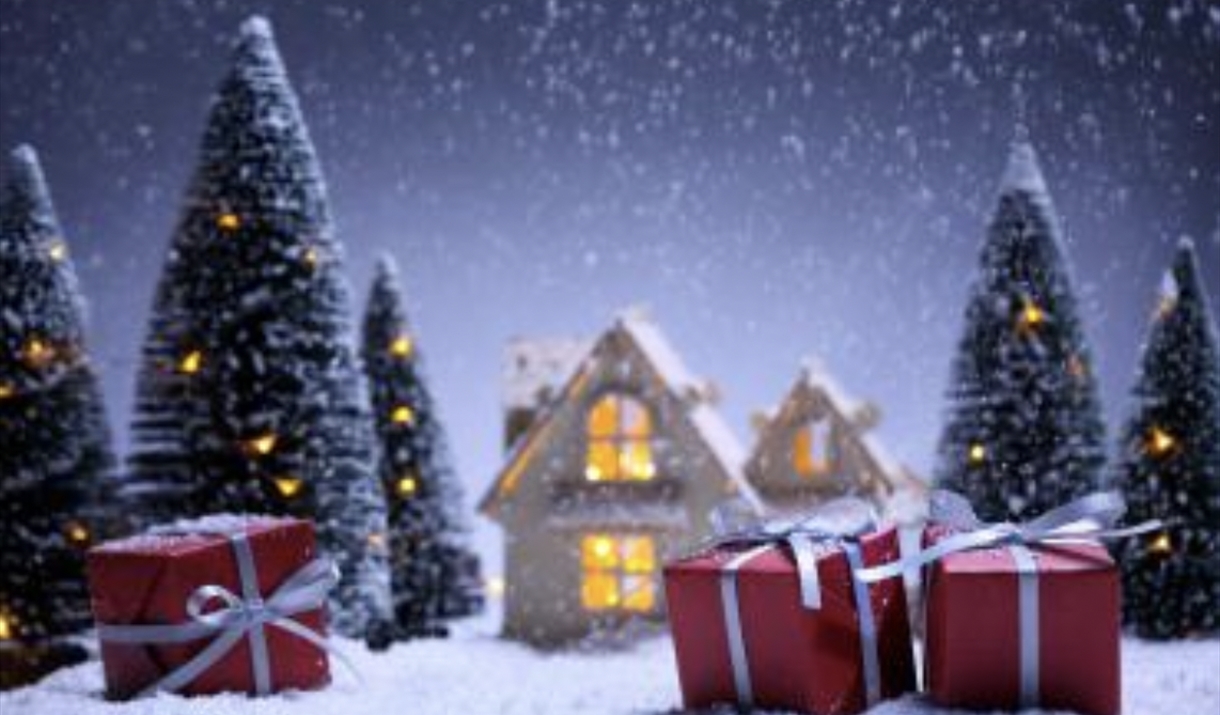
{"x": 616, "y": 467}
{"x": 818, "y": 445}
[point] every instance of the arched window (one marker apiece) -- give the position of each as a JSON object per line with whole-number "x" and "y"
{"x": 619, "y": 432}
{"x": 812, "y": 450}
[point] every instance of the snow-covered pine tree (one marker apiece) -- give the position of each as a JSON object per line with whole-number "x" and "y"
{"x": 433, "y": 572}
{"x": 1024, "y": 431}
{"x": 56, "y": 463}
{"x": 1169, "y": 465}
{"x": 250, "y": 397}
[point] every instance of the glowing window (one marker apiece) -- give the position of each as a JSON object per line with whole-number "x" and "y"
{"x": 619, "y": 432}
{"x": 812, "y": 449}
{"x": 618, "y": 572}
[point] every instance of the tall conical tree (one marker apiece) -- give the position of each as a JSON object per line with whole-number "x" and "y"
{"x": 1169, "y": 465}
{"x": 1024, "y": 430}
{"x": 55, "y": 455}
{"x": 250, "y": 399}
{"x": 434, "y": 574}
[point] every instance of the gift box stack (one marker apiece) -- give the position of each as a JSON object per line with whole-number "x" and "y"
{"x": 212, "y": 605}
{"x": 1017, "y": 616}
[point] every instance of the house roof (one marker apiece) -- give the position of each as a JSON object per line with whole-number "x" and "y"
{"x": 707, "y": 422}
{"x": 814, "y": 376}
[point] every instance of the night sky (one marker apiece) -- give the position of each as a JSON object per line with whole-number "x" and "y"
{"x": 774, "y": 179}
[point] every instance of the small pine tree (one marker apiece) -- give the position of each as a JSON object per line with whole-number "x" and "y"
{"x": 1024, "y": 431}
{"x": 434, "y": 574}
{"x": 250, "y": 398}
{"x": 55, "y": 455}
{"x": 1169, "y": 465}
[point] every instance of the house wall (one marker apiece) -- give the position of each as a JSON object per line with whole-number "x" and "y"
{"x": 554, "y": 505}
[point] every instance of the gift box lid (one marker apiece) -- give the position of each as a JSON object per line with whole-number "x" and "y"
{"x": 186, "y": 535}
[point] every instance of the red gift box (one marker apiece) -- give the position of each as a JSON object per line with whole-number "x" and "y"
{"x": 798, "y": 658}
{"x": 973, "y": 656}
{"x": 149, "y": 579}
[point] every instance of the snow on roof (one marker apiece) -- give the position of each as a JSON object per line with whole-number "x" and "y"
{"x": 532, "y": 366}
{"x": 1023, "y": 172}
{"x": 523, "y": 385}
{"x": 816, "y": 375}
{"x": 707, "y": 421}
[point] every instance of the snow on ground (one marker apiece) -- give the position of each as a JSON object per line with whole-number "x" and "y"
{"x": 477, "y": 674}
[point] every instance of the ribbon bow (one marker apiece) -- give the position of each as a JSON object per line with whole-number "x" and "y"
{"x": 247, "y": 615}
{"x": 840, "y": 523}
{"x": 1089, "y": 518}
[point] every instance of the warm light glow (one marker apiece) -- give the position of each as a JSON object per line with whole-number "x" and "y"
{"x": 406, "y": 486}
{"x": 1031, "y": 316}
{"x": 190, "y": 363}
{"x": 288, "y": 487}
{"x": 1165, "y": 306}
{"x": 6, "y": 391}
{"x": 494, "y": 586}
{"x": 38, "y": 353}
{"x": 311, "y": 257}
{"x": 228, "y": 221}
{"x": 618, "y": 572}
{"x": 263, "y": 444}
{"x": 58, "y": 250}
{"x": 1161, "y": 544}
{"x": 402, "y": 415}
{"x": 376, "y": 539}
{"x": 812, "y": 449}
{"x": 1160, "y": 442}
{"x": 400, "y": 347}
{"x": 977, "y": 453}
{"x": 619, "y": 433}
{"x": 76, "y": 532}
{"x": 8, "y": 628}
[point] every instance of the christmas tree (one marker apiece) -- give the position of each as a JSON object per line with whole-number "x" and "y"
{"x": 434, "y": 575}
{"x": 250, "y": 399}
{"x": 55, "y": 456}
{"x": 1169, "y": 465}
{"x": 1024, "y": 431}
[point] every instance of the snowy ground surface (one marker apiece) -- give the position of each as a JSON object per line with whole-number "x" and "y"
{"x": 475, "y": 674}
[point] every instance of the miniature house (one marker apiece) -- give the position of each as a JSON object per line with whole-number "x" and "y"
{"x": 616, "y": 458}
{"x": 817, "y": 445}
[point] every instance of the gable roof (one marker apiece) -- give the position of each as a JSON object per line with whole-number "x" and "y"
{"x": 660, "y": 356}
{"x": 815, "y": 377}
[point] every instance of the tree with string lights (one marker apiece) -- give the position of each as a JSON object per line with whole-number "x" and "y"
{"x": 56, "y": 464}
{"x": 250, "y": 398}
{"x": 434, "y": 574}
{"x": 1169, "y": 465}
{"x": 1024, "y": 431}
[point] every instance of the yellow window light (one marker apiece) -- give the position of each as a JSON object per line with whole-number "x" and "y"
{"x": 57, "y": 250}
{"x": 977, "y": 453}
{"x": 639, "y": 555}
{"x": 1160, "y": 442}
{"x": 401, "y": 347}
{"x": 599, "y": 591}
{"x": 191, "y": 362}
{"x": 599, "y": 551}
{"x": 402, "y": 415}
{"x": 288, "y": 486}
{"x": 263, "y": 444}
{"x": 228, "y": 221}
{"x": 406, "y": 486}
